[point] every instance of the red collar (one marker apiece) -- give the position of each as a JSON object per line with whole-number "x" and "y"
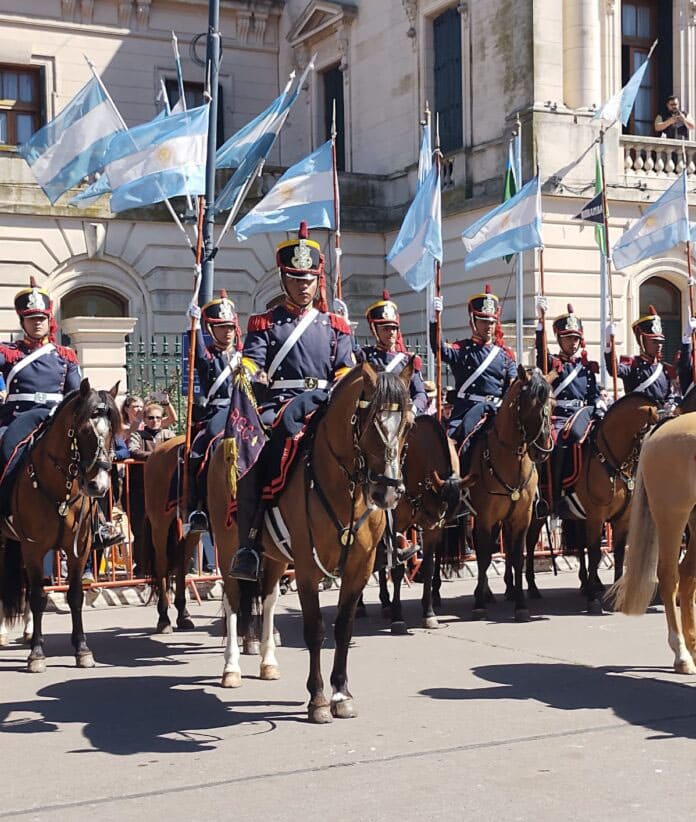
{"x": 647, "y": 358}
{"x": 480, "y": 341}
{"x": 381, "y": 347}
{"x": 296, "y": 310}
{"x": 32, "y": 344}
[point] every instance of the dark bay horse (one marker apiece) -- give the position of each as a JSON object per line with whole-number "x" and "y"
{"x": 604, "y": 488}
{"x": 333, "y": 507}
{"x": 53, "y": 507}
{"x": 503, "y": 463}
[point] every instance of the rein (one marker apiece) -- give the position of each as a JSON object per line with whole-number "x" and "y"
{"x": 623, "y": 470}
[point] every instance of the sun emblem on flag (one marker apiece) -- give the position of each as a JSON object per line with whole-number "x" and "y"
{"x": 650, "y": 221}
{"x": 285, "y": 191}
{"x": 505, "y": 222}
{"x": 164, "y": 154}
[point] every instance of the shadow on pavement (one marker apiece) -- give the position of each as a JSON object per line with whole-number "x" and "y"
{"x": 663, "y": 706}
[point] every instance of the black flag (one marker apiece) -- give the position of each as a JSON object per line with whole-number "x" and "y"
{"x": 592, "y": 212}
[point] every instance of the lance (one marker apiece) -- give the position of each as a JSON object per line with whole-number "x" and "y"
{"x": 338, "y": 251}
{"x": 607, "y": 268}
{"x": 438, "y": 288}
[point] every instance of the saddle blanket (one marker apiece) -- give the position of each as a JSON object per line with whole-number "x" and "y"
{"x": 8, "y": 473}
{"x": 176, "y": 484}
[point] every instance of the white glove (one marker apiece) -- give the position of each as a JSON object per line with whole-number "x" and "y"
{"x": 541, "y": 303}
{"x": 692, "y": 323}
{"x": 611, "y": 330}
{"x": 340, "y": 308}
{"x": 540, "y": 326}
{"x": 436, "y": 307}
{"x": 193, "y": 311}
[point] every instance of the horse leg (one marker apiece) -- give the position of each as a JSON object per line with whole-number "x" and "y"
{"x": 269, "y": 664}
{"x": 430, "y": 542}
{"x": 232, "y": 672}
{"x": 28, "y": 623}
{"x": 183, "y": 618}
{"x": 398, "y": 626}
{"x": 482, "y": 542}
{"x": 437, "y": 581}
{"x": 384, "y": 597}
{"x": 687, "y": 589}
{"x": 595, "y": 588}
{"x": 515, "y": 539}
{"x": 619, "y": 549}
{"x": 36, "y": 663}
{"x": 360, "y": 608}
{"x": 509, "y": 578}
{"x": 342, "y": 703}
{"x": 4, "y": 637}
{"x": 533, "y": 533}
{"x": 318, "y": 706}
{"x": 669, "y": 538}
{"x": 76, "y": 598}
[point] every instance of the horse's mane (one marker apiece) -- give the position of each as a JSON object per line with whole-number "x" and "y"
{"x": 627, "y": 399}
{"x": 537, "y": 387}
{"x": 439, "y": 431}
{"x": 389, "y": 390}
{"x": 89, "y": 405}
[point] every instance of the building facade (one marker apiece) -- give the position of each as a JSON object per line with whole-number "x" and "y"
{"x": 478, "y": 65}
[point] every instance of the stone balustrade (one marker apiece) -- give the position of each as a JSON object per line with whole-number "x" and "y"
{"x": 657, "y": 157}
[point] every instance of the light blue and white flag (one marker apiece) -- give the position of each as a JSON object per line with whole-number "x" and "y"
{"x": 620, "y": 105}
{"x": 664, "y": 225}
{"x": 97, "y": 189}
{"x": 418, "y": 245}
{"x": 158, "y": 160}
{"x": 74, "y": 144}
{"x": 513, "y": 226}
{"x": 304, "y": 192}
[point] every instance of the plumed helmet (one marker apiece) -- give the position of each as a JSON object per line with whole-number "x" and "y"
{"x": 485, "y": 306}
{"x": 383, "y": 312}
{"x": 568, "y": 325}
{"x": 33, "y": 301}
{"x": 648, "y": 327}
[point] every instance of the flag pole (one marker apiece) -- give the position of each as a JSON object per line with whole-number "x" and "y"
{"x": 605, "y": 285}
{"x": 438, "y": 289}
{"x": 244, "y": 190}
{"x": 691, "y": 279}
{"x": 429, "y": 292}
{"x": 182, "y": 95}
{"x": 542, "y": 314}
{"x": 519, "y": 269}
{"x": 338, "y": 251}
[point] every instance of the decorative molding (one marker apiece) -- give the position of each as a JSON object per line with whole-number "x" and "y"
{"x": 319, "y": 20}
{"x": 301, "y": 56}
{"x": 343, "y": 43}
{"x": 692, "y": 12}
{"x": 124, "y": 12}
{"x": 610, "y": 7}
{"x": 411, "y": 9}
{"x": 463, "y": 9}
{"x": 86, "y": 11}
{"x": 68, "y": 8}
{"x": 260, "y": 20}
{"x": 243, "y": 26}
{"x": 142, "y": 12}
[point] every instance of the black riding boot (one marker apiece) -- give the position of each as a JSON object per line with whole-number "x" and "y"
{"x": 197, "y": 519}
{"x": 250, "y": 510}
{"x": 560, "y": 505}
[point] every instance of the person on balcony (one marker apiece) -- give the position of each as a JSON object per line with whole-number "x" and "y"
{"x": 673, "y": 122}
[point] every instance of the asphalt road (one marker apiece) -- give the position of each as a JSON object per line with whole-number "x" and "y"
{"x": 568, "y": 716}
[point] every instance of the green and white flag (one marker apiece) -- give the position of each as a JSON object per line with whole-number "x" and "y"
{"x": 510, "y": 183}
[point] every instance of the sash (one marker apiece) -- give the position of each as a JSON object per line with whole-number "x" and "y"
{"x": 492, "y": 354}
{"x": 395, "y": 363}
{"x": 567, "y": 381}
{"x": 298, "y": 331}
{"x": 651, "y": 379}
{"x": 222, "y": 376}
{"x": 23, "y": 363}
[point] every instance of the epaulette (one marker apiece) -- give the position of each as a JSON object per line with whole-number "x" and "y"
{"x": 67, "y": 354}
{"x": 455, "y": 346}
{"x": 417, "y": 363}
{"x": 339, "y": 324}
{"x": 260, "y": 322}
{"x": 625, "y": 360}
{"x": 510, "y": 353}
{"x": 670, "y": 370}
{"x": 556, "y": 364}
{"x": 593, "y": 366}
{"x": 250, "y": 365}
{"x": 11, "y": 352}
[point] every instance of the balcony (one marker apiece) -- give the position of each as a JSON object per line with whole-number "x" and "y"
{"x": 656, "y": 157}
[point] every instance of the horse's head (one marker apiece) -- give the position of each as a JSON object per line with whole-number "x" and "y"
{"x": 379, "y": 428}
{"x": 95, "y": 423}
{"x": 534, "y": 406}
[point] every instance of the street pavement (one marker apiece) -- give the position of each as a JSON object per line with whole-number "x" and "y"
{"x": 567, "y": 716}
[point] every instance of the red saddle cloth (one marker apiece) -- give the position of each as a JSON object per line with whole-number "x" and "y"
{"x": 573, "y": 436}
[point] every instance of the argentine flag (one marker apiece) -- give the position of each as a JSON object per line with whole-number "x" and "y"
{"x": 419, "y": 242}
{"x": 158, "y": 160}
{"x": 304, "y": 192}
{"x": 513, "y": 226}
{"x": 620, "y": 105}
{"x": 74, "y": 144}
{"x": 664, "y": 225}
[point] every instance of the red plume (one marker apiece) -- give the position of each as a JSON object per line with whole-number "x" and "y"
{"x": 303, "y": 233}
{"x": 223, "y": 293}
{"x": 651, "y": 310}
{"x": 570, "y": 308}
{"x": 487, "y": 289}
{"x": 32, "y": 282}
{"x": 385, "y": 295}
{"x": 320, "y": 300}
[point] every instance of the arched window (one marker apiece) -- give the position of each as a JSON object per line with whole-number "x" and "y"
{"x": 666, "y": 299}
{"x": 93, "y": 301}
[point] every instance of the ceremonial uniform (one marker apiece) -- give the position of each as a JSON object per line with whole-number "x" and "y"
{"x": 646, "y": 373}
{"x": 299, "y": 351}
{"x": 482, "y": 371}
{"x": 385, "y": 313}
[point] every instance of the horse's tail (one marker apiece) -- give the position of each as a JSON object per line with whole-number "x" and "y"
{"x": 633, "y": 592}
{"x": 12, "y": 581}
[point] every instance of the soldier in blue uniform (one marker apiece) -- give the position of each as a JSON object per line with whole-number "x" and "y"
{"x": 389, "y": 354}
{"x": 215, "y": 364}
{"x": 299, "y": 349}
{"x": 684, "y": 367}
{"x": 483, "y": 367}
{"x": 574, "y": 389}
{"x": 646, "y": 373}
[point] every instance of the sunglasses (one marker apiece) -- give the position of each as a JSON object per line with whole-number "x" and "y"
{"x": 153, "y": 417}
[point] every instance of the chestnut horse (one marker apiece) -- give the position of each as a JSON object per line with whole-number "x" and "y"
{"x": 333, "y": 507}
{"x": 663, "y": 505}
{"x": 165, "y": 554}
{"x": 604, "y": 489}
{"x": 52, "y": 507}
{"x": 503, "y": 463}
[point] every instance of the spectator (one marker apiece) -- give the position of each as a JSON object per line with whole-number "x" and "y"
{"x": 142, "y": 443}
{"x": 431, "y": 392}
{"x": 170, "y": 418}
{"x": 132, "y": 414}
{"x": 673, "y": 122}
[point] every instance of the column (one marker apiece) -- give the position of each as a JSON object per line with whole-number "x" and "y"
{"x": 581, "y": 50}
{"x": 100, "y": 343}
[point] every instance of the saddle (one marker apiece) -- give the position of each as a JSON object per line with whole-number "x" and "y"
{"x": 465, "y": 447}
{"x": 175, "y": 495}
{"x": 571, "y": 438}
{"x": 8, "y": 472}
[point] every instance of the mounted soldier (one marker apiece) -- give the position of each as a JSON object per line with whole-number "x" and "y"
{"x": 299, "y": 349}
{"x": 646, "y": 373}
{"x": 215, "y": 364}
{"x": 574, "y": 388}
{"x": 389, "y": 353}
{"x": 684, "y": 366}
{"x": 483, "y": 367}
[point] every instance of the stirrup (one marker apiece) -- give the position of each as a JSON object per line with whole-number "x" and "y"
{"x": 245, "y": 565}
{"x": 108, "y": 533}
{"x": 409, "y": 549}
{"x": 197, "y": 523}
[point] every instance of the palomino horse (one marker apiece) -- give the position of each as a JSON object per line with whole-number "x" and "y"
{"x": 430, "y": 502}
{"x": 165, "y": 553}
{"x": 604, "y": 488}
{"x": 52, "y": 505}
{"x": 663, "y": 505}
{"x": 503, "y": 461}
{"x": 333, "y": 508}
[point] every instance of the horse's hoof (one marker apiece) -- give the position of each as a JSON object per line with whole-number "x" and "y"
{"x": 251, "y": 647}
{"x": 269, "y": 672}
{"x": 320, "y": 714}
{"x": 398, "y": 628}
{"x": 344, "y": 709}
{"x": 231, "y": 679}
{"x": 478, "y": 614}
{"x": 36, "y": 665}
{"x": 686, "y": 666}
{"x": 185, "y": 624}
{"x": 85, "y": 660}
{"x": 360, "y": 612}
{"x": 386, "y": 611}
{"x": 164, "y": 628}
{"x": 521, "y": 615}
{"x": 509, "y": 595}
{"x": 431, "y": 623}
{"x": 534, "y": 593}
{"x": 4, "y": 640}
{"x": 27, "y": 638}
{"x": 594, "y": 607}
{"x": 276, "y": 638}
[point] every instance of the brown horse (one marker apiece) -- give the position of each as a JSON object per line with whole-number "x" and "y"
{"x": 52, "y": 507}
{"x": 503, "y": 461}
{"x": 663, "y": 505}
{"x": 333, "y": 508}
{"x": 166, "y": 554}
{"x": 604, "y": 488}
